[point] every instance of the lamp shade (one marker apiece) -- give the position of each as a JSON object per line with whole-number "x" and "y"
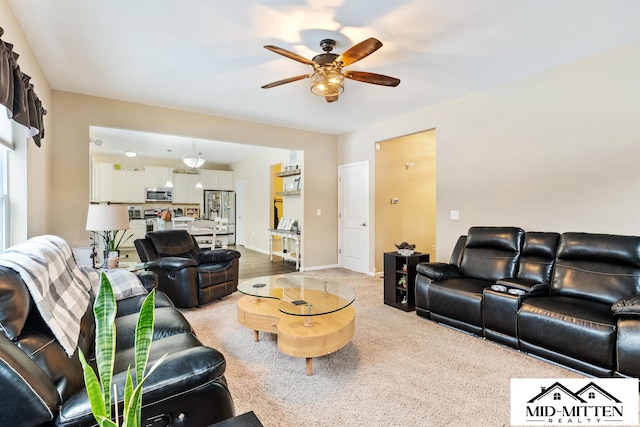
{"x": 107, "y": 218}
{"x": 192, "y": 159}
{"x": 327, "y": 81}
{"x": 193, "y": 162}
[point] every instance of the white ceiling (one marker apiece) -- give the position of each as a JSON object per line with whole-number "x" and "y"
{"x": 208, "y": 56}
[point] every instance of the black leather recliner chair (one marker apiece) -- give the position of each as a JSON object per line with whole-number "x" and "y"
{"x": 595, "y": 283}
{"x": 454, "y": 293}
{"x": 189, "y": 276}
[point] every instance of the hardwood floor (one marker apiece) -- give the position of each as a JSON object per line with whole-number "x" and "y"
{"x": 256, "y": 264}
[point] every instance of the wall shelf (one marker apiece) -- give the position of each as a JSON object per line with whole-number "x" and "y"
{"x": 289, "y": 193}
{"x": 289, "y": 173}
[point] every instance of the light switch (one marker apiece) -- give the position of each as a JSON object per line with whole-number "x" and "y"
{"x": 454, "y": 215}
{"x": 318, "y": 212}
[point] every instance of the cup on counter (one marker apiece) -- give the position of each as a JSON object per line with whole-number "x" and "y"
{"x": 113, "y": 259}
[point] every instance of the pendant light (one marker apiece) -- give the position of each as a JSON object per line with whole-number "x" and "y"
{"x": 199, "y": 183}
{"x": 192, "y": 159}
{"x": 169, "y": 183}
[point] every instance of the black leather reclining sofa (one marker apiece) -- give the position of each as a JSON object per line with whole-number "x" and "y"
{"x": 572, "y": 298}
{"x": 41, "y": 385}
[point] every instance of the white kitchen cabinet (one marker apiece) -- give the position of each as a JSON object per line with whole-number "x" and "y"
{"x": 137, "y": 230}
{"x": 102, "y": 188}
{"x": 128, "y": 186}
{"x": 209, "y": 179}
{"x": 216, "y": 180}
{"x": 156, "y": 176}
{"x": 225, "y": 180}
{"x": 184, "y": 188}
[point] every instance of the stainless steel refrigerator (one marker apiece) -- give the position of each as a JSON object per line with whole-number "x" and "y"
{"x": 221, "y": 204}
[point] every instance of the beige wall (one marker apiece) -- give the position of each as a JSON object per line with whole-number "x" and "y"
{"x": 70, "y": 169}
{"x": 29, "y": 173}
{"x": 554, "y": 151}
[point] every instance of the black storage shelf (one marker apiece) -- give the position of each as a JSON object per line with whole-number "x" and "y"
{"x": 395, "y": 294}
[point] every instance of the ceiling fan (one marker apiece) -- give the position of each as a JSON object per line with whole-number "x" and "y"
{"x": 328, "y": 76}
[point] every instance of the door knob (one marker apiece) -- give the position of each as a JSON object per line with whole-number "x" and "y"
{"x": 364, "y": 224}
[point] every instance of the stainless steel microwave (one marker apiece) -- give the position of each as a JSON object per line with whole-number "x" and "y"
{"x": 158, "y": 195}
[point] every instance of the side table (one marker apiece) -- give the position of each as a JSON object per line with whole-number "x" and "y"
{"x": 399, "y": 279}
{"x": 286, "y": 254}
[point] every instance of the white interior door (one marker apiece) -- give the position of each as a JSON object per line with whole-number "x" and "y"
{"x": 353, "y": 220}
{"x": 240, "y": 212}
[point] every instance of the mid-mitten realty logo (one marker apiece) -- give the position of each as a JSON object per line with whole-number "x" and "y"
{"x": 574, "y": 401}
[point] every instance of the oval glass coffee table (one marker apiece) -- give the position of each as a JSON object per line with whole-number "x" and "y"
{"x": 312, "y": 316}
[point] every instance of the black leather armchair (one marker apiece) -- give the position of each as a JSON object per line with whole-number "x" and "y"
{"x": 189, "y": 276}
{"x": 454, "y": 293}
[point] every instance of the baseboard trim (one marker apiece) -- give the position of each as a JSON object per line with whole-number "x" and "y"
{"x": 319, "y": 267}
{"x": 262, "y": 251}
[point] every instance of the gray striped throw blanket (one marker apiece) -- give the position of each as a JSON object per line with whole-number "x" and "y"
{"x": 60, "y": 290}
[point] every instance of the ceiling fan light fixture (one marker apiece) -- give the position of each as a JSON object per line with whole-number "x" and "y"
{"x": 327, "y": 82}
{"x": 193, "y": 159}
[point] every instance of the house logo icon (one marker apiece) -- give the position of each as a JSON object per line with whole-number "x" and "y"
{"x": 584, "y": 401}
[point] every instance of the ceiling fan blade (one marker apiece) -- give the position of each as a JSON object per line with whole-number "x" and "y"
{"x": 359, "y": 51}
{"x": 376, "y": 79}
{"x": 333, "y": 98}
{"x": 283, "y": 81}
{"x": 290, "y": 55}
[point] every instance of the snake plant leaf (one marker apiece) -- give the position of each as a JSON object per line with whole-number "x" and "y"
{"x": 127, "y": 420}
{"x": 144, "y": 333}
{"x": 99, "y": 391}
{"x": 104, "y": 310}
{"x": 137, "y": 396}
{"x": 105, "y": 422}
{"x": 93, "y": 388}
{"x": 143, "y": 338}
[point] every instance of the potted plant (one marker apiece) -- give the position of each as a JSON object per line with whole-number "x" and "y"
{"x": 116, "y": 239}
{"x": 403, "y": 281}
{"x": 99, "y": 389}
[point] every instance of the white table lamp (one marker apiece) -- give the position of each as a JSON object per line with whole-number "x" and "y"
{"x": 105, "y": 219}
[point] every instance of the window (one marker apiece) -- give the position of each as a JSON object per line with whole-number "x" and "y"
{"x": 556, "y": 396}
{"x": 6, "y": 143}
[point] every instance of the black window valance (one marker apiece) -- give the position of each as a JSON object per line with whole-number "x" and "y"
{"x": 17, "y": 95}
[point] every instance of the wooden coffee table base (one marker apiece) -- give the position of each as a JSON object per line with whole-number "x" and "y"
{"x": 329, "y": 333}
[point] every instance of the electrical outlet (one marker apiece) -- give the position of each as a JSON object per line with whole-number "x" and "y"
{"x": 454, "y": 215}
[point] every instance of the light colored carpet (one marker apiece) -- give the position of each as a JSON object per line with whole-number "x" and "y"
{"x": 399, "y": 369}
